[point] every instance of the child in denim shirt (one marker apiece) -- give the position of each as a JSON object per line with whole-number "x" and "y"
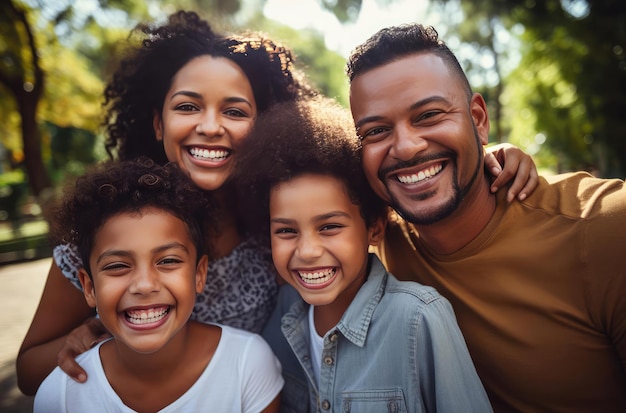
{"x": 356, "y": 339}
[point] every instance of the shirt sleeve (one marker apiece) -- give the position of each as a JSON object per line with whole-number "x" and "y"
{"x": 447, "y": 376}
{"x": 50, "y": 397}
{"x": 68, "y": 260}
{"x": 263, "y": 376}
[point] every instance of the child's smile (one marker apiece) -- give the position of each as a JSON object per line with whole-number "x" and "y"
{"x": 145, "y": 278}
{"x": 151, "y": 317}
{"x": 318, "y": 278}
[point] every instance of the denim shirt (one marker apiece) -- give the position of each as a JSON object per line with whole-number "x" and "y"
{"x": 397, "y": 348}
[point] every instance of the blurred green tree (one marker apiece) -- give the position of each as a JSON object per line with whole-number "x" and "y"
{"x": 570, "y": 84}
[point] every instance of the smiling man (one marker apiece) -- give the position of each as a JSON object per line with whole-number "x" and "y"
{"x": 538, "y": 286}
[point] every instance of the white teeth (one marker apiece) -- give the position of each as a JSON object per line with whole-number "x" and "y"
{"x": 317, "y": 277}
{"x": 421, "y": 175}
{"x": 145, "y": 317}
{"x": 214, "y": 155}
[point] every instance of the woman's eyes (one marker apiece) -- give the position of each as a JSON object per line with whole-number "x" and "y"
{"x": 236, "y": 113}
{"x": 284, "y": 231}
{"x": 233, "y": 112}
{"x": 186, "y": 107}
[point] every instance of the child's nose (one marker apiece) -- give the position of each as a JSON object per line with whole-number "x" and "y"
{"x": 145, "y": 281}
{"x": 309, "y": 247}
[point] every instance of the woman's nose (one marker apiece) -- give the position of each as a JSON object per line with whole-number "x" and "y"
{"x": 210, "y": 124}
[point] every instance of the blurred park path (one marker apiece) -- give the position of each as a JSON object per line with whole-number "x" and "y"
{"x": 21, "y": 285}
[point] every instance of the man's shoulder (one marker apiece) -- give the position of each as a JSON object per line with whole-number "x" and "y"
{"x": 577, "y": 195}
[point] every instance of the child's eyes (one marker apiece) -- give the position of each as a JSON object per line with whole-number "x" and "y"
{"x": 115, "y": 266}
{"x": 330, "y": 226}
{"x": 170, "y": 261}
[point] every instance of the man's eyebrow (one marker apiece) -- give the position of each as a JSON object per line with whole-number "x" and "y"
{"x": 426, "y": 101}
{"x": 363, "y": 121}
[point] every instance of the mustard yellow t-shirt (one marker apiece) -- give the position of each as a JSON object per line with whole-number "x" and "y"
{"x": 539, "y": 294}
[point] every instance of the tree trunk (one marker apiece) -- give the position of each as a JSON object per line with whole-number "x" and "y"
{"x": 27, "y": 92}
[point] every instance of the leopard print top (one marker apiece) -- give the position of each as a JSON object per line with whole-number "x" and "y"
{"x": 240, "y": 290}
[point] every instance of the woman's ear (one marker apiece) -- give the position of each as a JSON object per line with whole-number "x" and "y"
{"x": 88, "y": 287}
{"x": 157, "y": 125}
{"x": 376, "y": 231}
{"x": 201, "y": 270}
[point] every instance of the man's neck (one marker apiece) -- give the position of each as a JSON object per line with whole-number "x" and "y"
{"x": 459, "y": 229}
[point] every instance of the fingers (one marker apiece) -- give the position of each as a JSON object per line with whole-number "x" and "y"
{"x": 492, "y": 164}
{"x": 66, "y": 360}
{"x": 518, "y": 169}
{"x": 525, "y": 178}
{"x": 531, "y": 184}
{"x": 81, "y": 339}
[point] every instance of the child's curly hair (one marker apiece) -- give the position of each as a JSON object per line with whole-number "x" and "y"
{"x": 131, "y": 187}
{"x": 138, "y": 87}
{"x": 314, "y": 135}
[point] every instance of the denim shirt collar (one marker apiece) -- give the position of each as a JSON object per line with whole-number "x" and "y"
{"x": 356, "y": 320}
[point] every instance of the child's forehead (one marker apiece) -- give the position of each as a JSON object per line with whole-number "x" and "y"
{"x": 152, "y": 222}
{"x": 311, "y": 192}
{"x": 310, "y": 179}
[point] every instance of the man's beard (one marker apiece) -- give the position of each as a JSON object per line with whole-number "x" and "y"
{"x": 445, "y": 210}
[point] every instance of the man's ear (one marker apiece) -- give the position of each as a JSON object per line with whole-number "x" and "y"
{"x": 480, "y": 116}
{"x": 201, "y": 270}
{"x": 376, "y": 231}
{"x": 88, "y": 287}
{"x": 157, "y": 125}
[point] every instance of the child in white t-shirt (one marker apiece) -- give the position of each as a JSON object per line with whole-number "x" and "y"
{"x": 140, "y": 229}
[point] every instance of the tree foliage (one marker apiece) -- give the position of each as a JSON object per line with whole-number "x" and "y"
{"x": 571, "y": 80}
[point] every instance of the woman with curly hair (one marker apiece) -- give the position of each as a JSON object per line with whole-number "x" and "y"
{"x": 188, "y": 95}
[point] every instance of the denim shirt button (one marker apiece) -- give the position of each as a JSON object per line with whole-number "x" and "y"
{"x": 392, "y": 406}
{"x": 333, "y": 337}
{"x": 328, "y": 361}
{"x": 325, "y": 405}
{"x": 346, "y": 406}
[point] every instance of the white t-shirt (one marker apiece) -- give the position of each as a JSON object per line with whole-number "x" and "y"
{"x": 243, "y": 376}
{"x": 317, "y": 346}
